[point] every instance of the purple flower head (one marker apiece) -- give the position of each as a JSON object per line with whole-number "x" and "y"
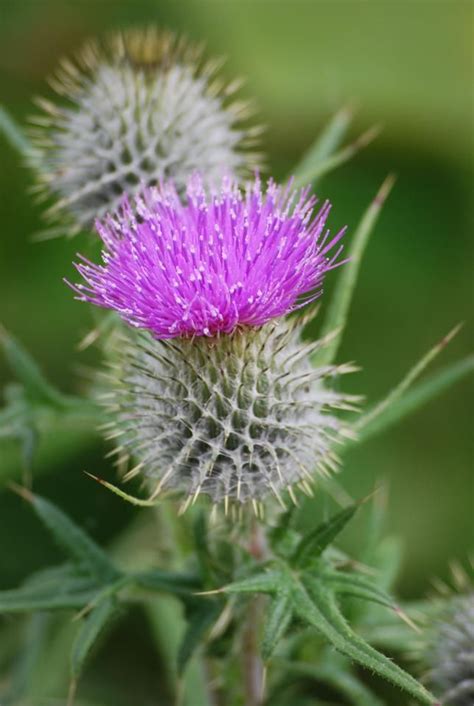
{"x": 220, "y": 260}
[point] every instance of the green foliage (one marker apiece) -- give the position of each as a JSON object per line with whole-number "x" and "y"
{"x": 89, "y": 556}
{"x": 201, "y": 616}
{"x": 307, "y": 588}
{"x": 338, "y": 308}
{"x": 93, "y": 625}
{"x": 322, "y": 158}
{"x": 313, "y": 544}
{"x": 403, "y": 401}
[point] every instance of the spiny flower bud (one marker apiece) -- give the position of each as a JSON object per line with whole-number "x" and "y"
{"x": 141, "y": 107}
{"x": 235, "y": 417}
{"x": 218, "y": 396}
{"x": 451, "y": 653}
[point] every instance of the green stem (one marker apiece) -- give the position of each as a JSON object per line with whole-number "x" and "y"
{"x": 168, "y": 624}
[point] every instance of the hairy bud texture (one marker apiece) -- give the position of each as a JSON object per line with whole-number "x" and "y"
{"x": 219, "y": 395}
{"x": 451, "y": 653}
{"x": 235, "y": 417}
{"x": 141, "y": 107}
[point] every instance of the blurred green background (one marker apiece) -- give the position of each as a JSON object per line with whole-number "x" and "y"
{"x": 407, "y": 66}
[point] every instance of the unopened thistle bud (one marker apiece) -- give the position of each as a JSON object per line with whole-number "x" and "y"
{"x": 141, "y": 107}
{"x": 450, "y": 653}
{"x": 219, "y": 396}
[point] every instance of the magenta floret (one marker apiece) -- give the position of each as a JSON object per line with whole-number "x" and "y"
{"x": 216, "y": 261}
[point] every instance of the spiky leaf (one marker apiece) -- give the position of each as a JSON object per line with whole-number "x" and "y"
{"x": 201, "y": 619}
{"x": 313, "y": 544}
{"x": 90, "y": 630}
{"x": 277, "y": 620}
{"x": 80, "y": 547}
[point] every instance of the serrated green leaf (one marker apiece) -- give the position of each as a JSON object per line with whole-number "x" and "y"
{"x": 75, "y": 541}
{"x": 315, "y": 542}
{"x": 28, "y": 372}
{"x": 30, "y": 598}
{"x": 277, "y": 619}
{"x": 398, "y": 406}
{"x": 268, "y": 582}
{"x": 357, "y": 587}
{"x": 338, "y": 308}
{"x": 89, "y": 632}
{"x": 201, "y": 619}
{"x": 314, "y": 603}
{"x": 282, "y": 537}
{"x": 325, "y": 144}
{"x": 14, "y": 133}
{"x": 168, "y": 582}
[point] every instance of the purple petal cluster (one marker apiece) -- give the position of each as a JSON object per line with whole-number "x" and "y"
{"x": 217, "y": 260}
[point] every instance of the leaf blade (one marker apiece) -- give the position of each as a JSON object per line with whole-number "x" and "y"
{"x": 89, "y": 632}
{"x": 319, "y": 169}
{"x": 409, "y": 401}
{"x": 338, "y": 309}
{"x": 315, "y": 604}
{"x": 315, "y": 542}
{"x": 74, "y": 540}
{"x": 326, "y": 143}
{"x": 278, "y": 618}
{"x": 28, "y": 371}
{"x": 203, "y": 618}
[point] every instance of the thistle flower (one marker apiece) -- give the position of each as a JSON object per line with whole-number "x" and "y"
{"x": 141, "y": 107}
{"x": 219, "y": 395}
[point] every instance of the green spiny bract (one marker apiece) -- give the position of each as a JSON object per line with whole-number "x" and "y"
{"x": 236, "y": 417}
{"x": 141, "y": 107}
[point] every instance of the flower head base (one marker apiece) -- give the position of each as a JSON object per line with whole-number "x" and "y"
{"x": 223, "y": 259}
{"x": 143, "y": 106}
{"x": 237, "y": 418}
{"x": 451, "y": 652}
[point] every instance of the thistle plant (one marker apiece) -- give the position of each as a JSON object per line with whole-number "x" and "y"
{"x": 141, "y": 106}
{"x": 218, "y": 394}
{"x": 232, "y": 406}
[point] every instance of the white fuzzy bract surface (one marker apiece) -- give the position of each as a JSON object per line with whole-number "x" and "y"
{"x": 140, "y": 108}
{"x": 237, "y": 417}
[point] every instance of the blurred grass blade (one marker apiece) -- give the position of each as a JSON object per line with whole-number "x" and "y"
{"x": 27, "y": 661}
{"x": 13, "y": 133}
{"x": 200, "y": 622}
{"x": 168, "y": 582}
{"x": 90, "y": 630}
{"x": 338, "y": 308}
{"x": 29, "y": 598}
{"x": 28, "y": 372}
{"x": 418, "y": 396}
{"x": 72, "y": 538}
{"x": 397, "y": 404}
{"x": 318, "y": 169}
{"x": 325, "y": 144}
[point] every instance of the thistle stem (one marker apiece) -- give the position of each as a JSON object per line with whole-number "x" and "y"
{"x": 252, "y": 665}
